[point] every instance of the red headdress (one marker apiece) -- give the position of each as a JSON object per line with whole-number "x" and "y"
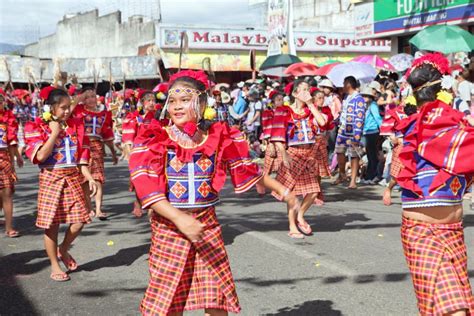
{"x": 437, "y": 60}
{"x": 141, "y": 92}
{"x": 72, "y": 89}
{"x": 273, "y": 93}
{"x": 44, "y": 93}
{"x": 289, "y": 88}
{"x": 196, "y": 75}
{"x": 313, "y": 90}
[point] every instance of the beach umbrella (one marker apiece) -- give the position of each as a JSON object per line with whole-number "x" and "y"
{"x": 324, "y": 70}
{"x": 375, "y": 61}
{"x": 301, "y": 69}
{"x": 444, "y": 38}
{"x": 362, "y": 72}
{"x": 401, "y": 62}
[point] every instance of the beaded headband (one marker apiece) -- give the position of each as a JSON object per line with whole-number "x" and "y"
{"x": 184, "y": 91}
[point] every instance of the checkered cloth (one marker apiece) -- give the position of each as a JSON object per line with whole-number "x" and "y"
{"x": 61, "y": 198}
{"x": 7, "y": 173}
{"x": 322, "y": 156}
{"x": 96, "y": 163}
{"x": 300, "y": 177}
{"x": 185, "y": 275}
{"x": 273, "y": 159}
{"x": 437, "y": 259}
{"x": 396, "y": 165}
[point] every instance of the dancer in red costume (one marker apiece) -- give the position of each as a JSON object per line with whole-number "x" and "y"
{"x": 8, "y": 152}
{"x": 321, "y": 145}
{"x": 98, "y": 125}
{"x": 58, "y": 145}
{"x": 390, "y": 121}
{"x": 437, "y": 157}
{"x": 177, "y": 171}
{"x": 294, "y": 132}
{"x": 144, "y": 116}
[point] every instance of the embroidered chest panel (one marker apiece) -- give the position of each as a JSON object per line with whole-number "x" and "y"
{"x": 3, "y": 135}
{"x": 300, "y": 132}
{"x": 65, "y": 153}
{"x": 94, "y": 124}
{"x": 189, "y": 184}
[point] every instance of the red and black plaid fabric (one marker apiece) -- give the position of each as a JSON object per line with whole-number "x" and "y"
{"x": 7, "y": 173}
{"x": 300, "y": 177}
{"x": 96, "y": 164}
{"x": 272, "y": 160}
{"x": 322, "y": 156}
{"x": 396, "y": 165}
{"x": 437, "y": 259}
{"x": 61, "y": 198}
{"x": 185, "y": 275}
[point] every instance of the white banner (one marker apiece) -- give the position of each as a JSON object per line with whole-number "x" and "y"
{"x": 233, "y": 39}
{"x": 364, "y": 20}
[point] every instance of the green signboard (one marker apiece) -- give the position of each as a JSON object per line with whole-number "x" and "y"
{"x": 389, "y": 9}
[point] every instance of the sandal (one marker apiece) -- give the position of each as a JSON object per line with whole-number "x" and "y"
{"x": 12, "y": 234}
{"x": 304, "y": 228}
{"x": 60, "y": 277}
{"x": 339, "y": 180}
{"x": 295, "y": 235}
{"x": 102, "y": 217}
{"x": 70, "y": 264}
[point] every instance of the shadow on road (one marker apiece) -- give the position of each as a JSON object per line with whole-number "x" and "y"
{"x": 11, "y": 266}
{"x": 124, "y": 257}
{"x": 316, "y": 307}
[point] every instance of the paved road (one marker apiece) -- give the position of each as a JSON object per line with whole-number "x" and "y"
{"x": 353, "y": 265}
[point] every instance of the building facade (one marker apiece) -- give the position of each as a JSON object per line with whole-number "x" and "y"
{"x": 87, "y": 35}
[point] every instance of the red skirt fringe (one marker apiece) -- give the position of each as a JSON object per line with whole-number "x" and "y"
{"x": 61, "y": 199}
{"x": 185, "y": 275}
{"x": 437, "y": 259}
{"x": 96, "y": 163}
{"x": 7, "y": 172}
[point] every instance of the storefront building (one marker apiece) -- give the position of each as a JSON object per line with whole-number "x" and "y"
{"x": 228, "y": 50}
{"x": 401, "y": 19}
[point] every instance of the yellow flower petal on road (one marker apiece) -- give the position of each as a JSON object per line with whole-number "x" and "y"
{"x": 110, "y": 243}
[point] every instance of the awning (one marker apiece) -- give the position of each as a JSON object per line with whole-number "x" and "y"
{"x": 239, "y": 60}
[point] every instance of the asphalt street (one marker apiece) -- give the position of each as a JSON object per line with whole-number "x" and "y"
{"x": 353, "y": 265}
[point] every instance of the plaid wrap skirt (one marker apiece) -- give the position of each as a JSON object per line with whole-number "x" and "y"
{"x": 96, "y": 162}
{"x": 185, "y": 275}
{"x": 61, "y": 199}
{"x": 7, "y": 173}
{"x": 322, "y": 156}
{"x": 437, "y": 259}
{"x": 396, "y": 166}
{"x": 300, "y": 177}
{"x": 272, "y": 160}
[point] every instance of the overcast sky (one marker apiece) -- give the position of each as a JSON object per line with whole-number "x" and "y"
{"x": 23, "y": 21}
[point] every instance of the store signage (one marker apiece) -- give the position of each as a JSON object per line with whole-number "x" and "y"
{"x": 401, "y": 16}
{"x": 252, "y": 39}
